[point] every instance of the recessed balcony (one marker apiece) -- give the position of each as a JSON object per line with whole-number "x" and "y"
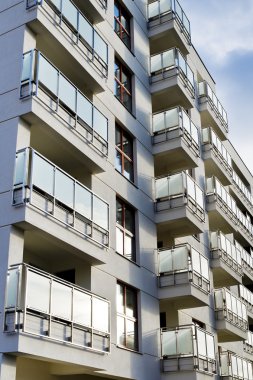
{"x": 44, "y": 307}
{"x": 172, "y": 81}
{"x": 242, "y": 193}
{"x": 218, "y": 161}
{"x": 183, "y": 276}
{"x": 53, "y": 104}
{"x": 179, "y": 205}
{"x": 168, "y": 26}
{"x": 233, "y": 367}
{"x": 188, "y": 348}
{"x": 175, "y": 141}
{"x": 50, "y": 194}
{"x": 74, "y": 38}
{"x": 211, "y": 111}
{"x": 224, "y": 213}
{"x": 248, "y": 343}
{"x": 226, "y": 260}
{"x": 231, "y": 316}
{"x": 247, "y": 296}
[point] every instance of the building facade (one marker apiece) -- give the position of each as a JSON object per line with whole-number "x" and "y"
{"x": 125, "y": 212}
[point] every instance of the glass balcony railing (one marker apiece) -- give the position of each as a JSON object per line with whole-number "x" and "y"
{"x": 48, "y": 188}
{"x": 242, "y": 188}
{"x": 230, "y": 308}
{"x": 248, "y": 343}
{"x": 186, "y": 342}
{"x": 157, "y": 9}
{"x": 42, "y": 79}
{"x": 73, "y": 23}
{"x": 221, "y": 247}
{"x": 247, "y": 259}
{"x": 38, "y": 303}
{"x": 183, "y": 259}
{"x": 33, "y": 3}
{"x": 234, "y": 367}
{"x": 205, "y": 91}
{"x": 165, "y": 123}
{"x": 209, "y": 137}
{"x": 180, "y": 186}
{"x": 163, "y": 65}
{"x": 247, "y": 296}
{"x": 214, "y": 187}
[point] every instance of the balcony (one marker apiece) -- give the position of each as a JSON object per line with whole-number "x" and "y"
{"x": 183, "y": 276}
{"x": 248, "y": 343}
{"x": 233, "y": 367}
{"x": 187, "y": 348}
{"x": 75, "y": 38}
{"x": 47, "y": 308}
{"x": 168, "y": 25}
{"x": 179, "y": 205}
{"x": 59, "y": 197}
{"x": 224, "y": 213}
{"x": 247, "y": 263}
{"x": 175, "y": 141}
{"x": 226, "y": 260}
{"x": 172, "y": 81}
{"x": 211, "y": 111}
{"x": 231, "y": 316}
{"x": 247, "y": 296}
{"x": 241, "y": 192}
{"x": 60, "y": 105}
{"x": 218, "y": 161}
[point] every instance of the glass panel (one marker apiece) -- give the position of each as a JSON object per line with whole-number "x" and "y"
{"x": 48, "y": 75}
{"x": 210, "y": 346}
{"x": 12, "y": 288}
{"x": 153, "y": 9}
{"x": 180, "y": 258}
{"x": 202, "y": 88}
{"x": 239, "y": 367}
{"x": 130, "y": 302}
{"x": 121, "y": 331}
{"x": 156, "y": 63}
{"x": 83, "y": 201}
{"x": 27, "y": 66}
{"x": 158, "y": 122}
{"x": 201, "y": 342}
{"x": 64, "y": 188}
{"x": 128, "y": 170}
{"x": 204, "y": 267}
{"x": 100, "y": 315}
{"x": 161, "y": 186}
{"x": 57, "y": 3}
{"x": 176, "y": 185}
{"x": 86, "y": 30}
{"x": 218, "y": 299}
{"x": 100, "y": 47}
{"x": 224, "y": 365}
{"x": 165, "y": 261}
{"x": 195, "y": 261}
{"x": 190, "y": 187}
{"x": 38, "y": 285}
{"x": 131, "y": 334}
{"x": 100, "y": 123}
{"x": 185, "y": 342}
{"x": 70, "y": 12}
{"x": 67, "y": 93}
{"x": 84, "y": 109}
{"x": 169, "y": 343}
{"x": 128, "y": 247}
{"x": 100, "y": 212}
{"x": 182, "y": 63}
{"x": 120, "y": 299}
{"x": 20, "y": 166}
{"x": 165, "y": 6}
{"x": 172, "y": 118}
{"x": 61, "y": 300}
{"x": 234, "y": 365}
{"x": 119, "y": 241}
{"x": 81, "y": 308}
{"x": 43, "y": 174}
{"x": 168, "y": 58}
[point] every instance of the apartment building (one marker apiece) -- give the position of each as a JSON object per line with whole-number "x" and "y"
{"x": 125, "y": 212}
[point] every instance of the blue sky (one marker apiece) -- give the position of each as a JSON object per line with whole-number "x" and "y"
{"x": 222, "y": 33}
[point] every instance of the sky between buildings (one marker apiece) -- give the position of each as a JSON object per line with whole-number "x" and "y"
{"x": 222, "y": 33}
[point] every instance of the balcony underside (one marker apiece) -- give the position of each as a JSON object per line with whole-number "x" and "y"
{"x": 223, "y": 274}
{"x": 228, "y": 332}
{"x": 184, "y": 368}
{"x": 178, "y": 221}
{"x": 65, "y": 54}
{"x": 247, "y": 276}
{"x": 183, "y": 295}
{"x": 170, "y": 91}
{"x": 71, "y": 147}
{"x": 173, "y": 155}
{"x": 164, "y": 33}
{"x": 209, "y": 118}
{"x": 93, "y": 9}
{"x": 214, "y": 167}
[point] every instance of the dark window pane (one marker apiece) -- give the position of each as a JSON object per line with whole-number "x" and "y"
{"x": 129, "y": 219}
{"x": 130, "y": 302}
{"x": 128, "y": 170}
{"x": 118, "y": 161}
{"x": 119, "y": 213}
{"x": 127, "y": 145}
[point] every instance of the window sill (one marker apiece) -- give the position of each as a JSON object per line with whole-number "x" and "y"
{"x": 131, "y": 113}
{"x": 128, "y": 349}
{"x": 128, "y": 180}
{"x": 131, "y": 261}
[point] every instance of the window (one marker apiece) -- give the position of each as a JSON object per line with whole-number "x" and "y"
{"x": 125, "y": 242}
{"x": 127, "y": 329}
{"x": 124, "y": 153}
{"x": 122, "y": 89}
{"x": 122, "y": 23}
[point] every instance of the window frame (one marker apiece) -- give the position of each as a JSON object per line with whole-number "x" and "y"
{"x": 123, "y": 156}
{"x": 125, "y": 232}
{"x": 120, "y": 84}
{"x": 126, "y": 317}
{"x": 123, "y": 12}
